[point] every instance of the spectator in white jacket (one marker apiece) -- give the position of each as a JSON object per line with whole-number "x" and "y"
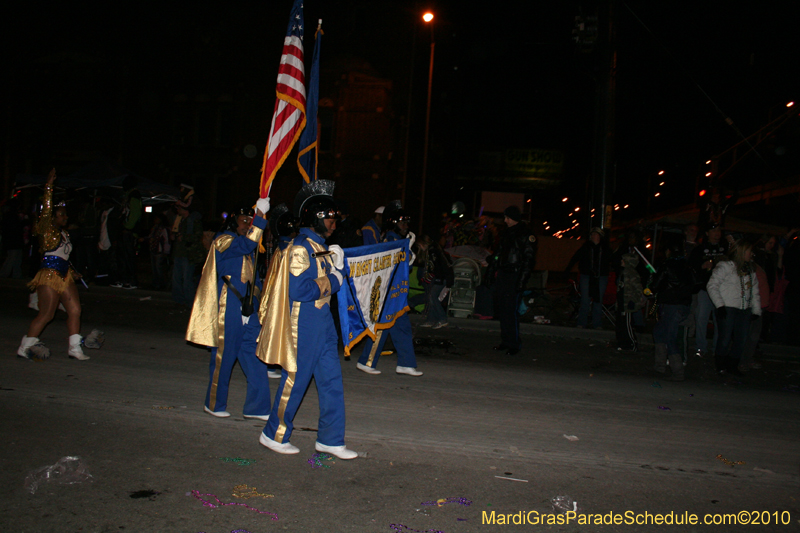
{"x": 733, "y": 288}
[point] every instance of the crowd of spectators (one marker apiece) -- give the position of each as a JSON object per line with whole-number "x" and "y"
{"x": 114, "y": 241}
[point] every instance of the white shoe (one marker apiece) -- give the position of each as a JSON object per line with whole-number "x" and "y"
{"x": 274, "y": 374}
{"x": 367, "y": 369}
{"x": 284, "y": 448}
{"x": 408, "y": 370}
{"x": 258, "y": 417}
{"x": 342, "y": 452}
{"x": 117, "y": 285}
{"x": 440, "y": 325}
{"x": 75, "y": 350}
{"x": 426, "y": 325}
{"x": 218, "y": 414}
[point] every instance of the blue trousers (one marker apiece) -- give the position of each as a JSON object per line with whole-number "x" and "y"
{"x": 705, "y": 308}
{"x": 733, "y": 333}
{"x": 318, "y": 358}
{"x": 588, "y": 304}
{"x": 436, "y": 313}
{"x": 403, "y": 340}
{"x": 183, "y": 285}
{"x": 240, "y": 345}
{"x": 666, "y": 329}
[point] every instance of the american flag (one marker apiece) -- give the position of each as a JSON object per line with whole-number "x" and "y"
{"x": 289, "y": 117}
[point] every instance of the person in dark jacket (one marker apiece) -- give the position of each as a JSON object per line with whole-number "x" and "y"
{"x": 673, "y": 285}
{"x": 594, "y": 263}
{"x": 702, "y": 260}
{"x": 513, "y": 262}
{"x": 438, "y": 274}
{"x": 632, "y": 241}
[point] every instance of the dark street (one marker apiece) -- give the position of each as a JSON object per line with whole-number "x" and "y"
{"x": 133, "y": 414}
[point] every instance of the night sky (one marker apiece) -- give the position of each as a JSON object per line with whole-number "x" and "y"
{"x": 505, "y": 76}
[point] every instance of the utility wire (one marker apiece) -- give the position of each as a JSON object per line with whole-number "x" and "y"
{"x": 686, "y": 72}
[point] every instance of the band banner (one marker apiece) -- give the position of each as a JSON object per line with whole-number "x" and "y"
{"x": 375, "y": 292}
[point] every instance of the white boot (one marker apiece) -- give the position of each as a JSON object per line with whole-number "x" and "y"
{"x": 32, "y": 348}
{"x": 75, "y": 350}
{"x": 27, "y": 342}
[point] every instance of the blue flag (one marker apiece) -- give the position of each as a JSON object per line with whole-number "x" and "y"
{"x": 307, "y": 155}
{"x": 375, "y": 291}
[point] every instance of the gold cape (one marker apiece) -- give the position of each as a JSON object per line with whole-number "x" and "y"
{"x": 277, "y": 342}
{"x": 204, "y": 322}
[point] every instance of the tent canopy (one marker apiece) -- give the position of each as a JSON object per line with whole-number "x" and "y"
{"x": 104, "y": 173}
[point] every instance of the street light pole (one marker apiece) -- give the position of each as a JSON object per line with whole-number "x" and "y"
{"x": 427, "y": 17}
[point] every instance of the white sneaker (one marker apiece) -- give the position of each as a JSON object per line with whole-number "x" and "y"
{"x": 342, "y": 452}
{"x": 218, "y": 414}
{"x": 426, "y": 325}
{"x": 408, "y": 370}
{"x": 367, "y": 369}
{"x": 258, "y": 417}
{"x": 440, "y": 325}
{"x": 117, "y": 285}
{"x": 284, "y": 448}
{"x": 274, "y": 374}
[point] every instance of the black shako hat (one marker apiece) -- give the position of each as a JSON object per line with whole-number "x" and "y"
{"x": 314, "y": 203}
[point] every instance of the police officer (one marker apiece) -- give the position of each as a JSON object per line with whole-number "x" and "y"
{"x": 308, "y": 274}
{"x": 402, "y": 338}
{"x": 513, "y": 262}
{"x": 220, "y": 318}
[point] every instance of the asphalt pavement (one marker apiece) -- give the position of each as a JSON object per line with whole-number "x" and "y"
{"x": 479, "y": 433}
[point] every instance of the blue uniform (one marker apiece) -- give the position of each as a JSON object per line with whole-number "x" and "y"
{"x": 311, "y": 284}
{"x": 284, "y": 242}
{"x": 371, "y": 232}
{"x": 234, "y": 256}
{"x": 402, "y": 335}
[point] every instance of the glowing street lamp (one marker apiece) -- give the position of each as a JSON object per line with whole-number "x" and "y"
{"x": 428, "y": 18}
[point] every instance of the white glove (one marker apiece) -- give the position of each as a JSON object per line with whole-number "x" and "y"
{"x": 338, "y": 276}
{"x": 263, "y": 205}
{"x": 412, "y": 238}
{"x": 337, "y": 255}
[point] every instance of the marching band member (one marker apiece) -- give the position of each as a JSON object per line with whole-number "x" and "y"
{"x": 220, "y": 318}
{"x": 55, "y": 283}
{"x": 402, "y": 336}
{"x": 301, "y": 334}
